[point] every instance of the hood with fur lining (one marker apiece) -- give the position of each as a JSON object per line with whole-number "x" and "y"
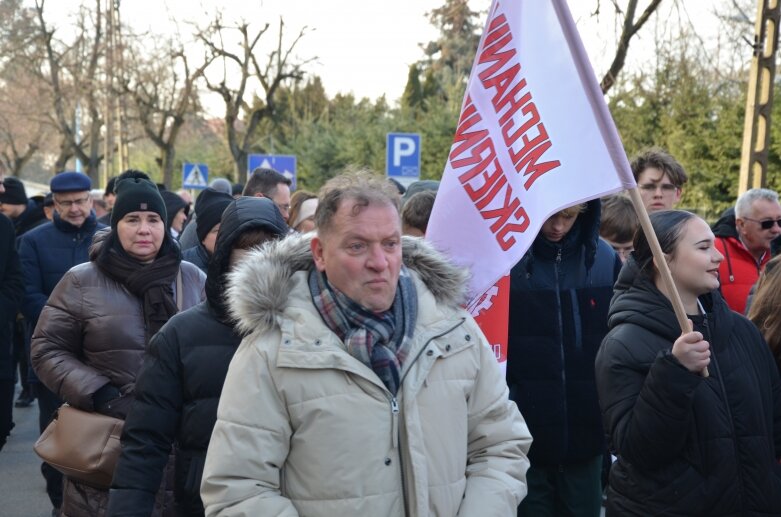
{"x": 259, "y": 287}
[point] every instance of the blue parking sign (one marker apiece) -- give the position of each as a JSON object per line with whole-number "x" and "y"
{"x": 402, "y": 159}
{"x": 285, "y": 164}
{"x": 195, "y": 175}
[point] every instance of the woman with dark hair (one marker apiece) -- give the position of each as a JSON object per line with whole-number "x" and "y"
{"x": 687, "y": 444}
{"x": 764, "y": 310}
{"x": 89, "y": 343}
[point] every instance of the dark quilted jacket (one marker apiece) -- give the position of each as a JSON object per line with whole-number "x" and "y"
{"x": 90, "y": 333}
{"x": 559, "y": 298}
{"x": 687, "y": 445}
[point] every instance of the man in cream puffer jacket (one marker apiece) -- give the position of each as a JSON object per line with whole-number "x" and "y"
{"x": 361, "y": 387}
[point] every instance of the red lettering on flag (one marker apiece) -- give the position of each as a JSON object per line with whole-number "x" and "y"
{"x": 505, "y": 80}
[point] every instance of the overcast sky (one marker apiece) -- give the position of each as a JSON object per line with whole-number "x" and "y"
{"x": 366, "y": 46}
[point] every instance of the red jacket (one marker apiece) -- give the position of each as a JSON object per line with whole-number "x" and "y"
{"x": 738, "y": 272}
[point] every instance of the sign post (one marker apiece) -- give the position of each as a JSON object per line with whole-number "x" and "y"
{"x": 402, "y": 158}
{"x": 195, "y": 175}
{"x": 282, "y": 163}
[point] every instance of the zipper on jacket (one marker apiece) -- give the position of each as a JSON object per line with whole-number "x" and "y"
{"x": 729, "y": 414}
{"x": 396, "y": 420}
{"x": 561, "y": 349}
{"x": 397, "y": 443}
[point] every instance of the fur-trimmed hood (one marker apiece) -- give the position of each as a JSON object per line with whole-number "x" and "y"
{"x": 258, "y": 289}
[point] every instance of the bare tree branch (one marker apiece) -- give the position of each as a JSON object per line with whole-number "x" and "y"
{"x": 629, "y": 29}
{"x": 163, "y": 98}
{"x": 278, "y": 69}
{"x": 82, "y": 85}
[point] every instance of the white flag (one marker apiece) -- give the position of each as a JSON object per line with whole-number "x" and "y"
{"x": 534, "y": 137}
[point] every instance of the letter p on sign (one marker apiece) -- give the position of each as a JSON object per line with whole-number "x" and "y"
{"x": 402, "y": 161}
{"x": 403, "y": 146}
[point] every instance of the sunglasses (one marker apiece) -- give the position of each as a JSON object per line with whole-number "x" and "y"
{"x": 767, "y": 223}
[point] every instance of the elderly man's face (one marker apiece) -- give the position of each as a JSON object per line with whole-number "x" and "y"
{"x": 73, "y": 207}
{"x": 754, "y": 237}
{"x": 361, "y": 254}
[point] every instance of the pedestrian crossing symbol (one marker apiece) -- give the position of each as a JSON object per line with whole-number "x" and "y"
{"x": 195, "y": 175}
{"x": 285, "y": 164}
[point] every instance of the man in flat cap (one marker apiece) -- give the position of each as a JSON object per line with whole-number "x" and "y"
{"x": 47, "y": 253}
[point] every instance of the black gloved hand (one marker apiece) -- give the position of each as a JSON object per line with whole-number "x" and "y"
{"x": 108, "y": 400}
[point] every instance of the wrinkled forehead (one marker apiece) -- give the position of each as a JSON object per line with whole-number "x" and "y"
{"x": 356, "y": 215}
{"x": 356, "y": 208}
{"x": 70, "y": 196}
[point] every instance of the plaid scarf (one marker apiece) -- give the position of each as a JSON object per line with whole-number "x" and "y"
{"x": 381, "y": 341}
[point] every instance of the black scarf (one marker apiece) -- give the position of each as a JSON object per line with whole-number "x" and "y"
{"x": 152, "y": 282}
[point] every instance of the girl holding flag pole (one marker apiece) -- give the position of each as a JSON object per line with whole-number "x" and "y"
{"x": 687, "y": 443}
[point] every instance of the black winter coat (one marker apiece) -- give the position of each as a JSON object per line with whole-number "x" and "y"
{"x": 687, "y": 445}
{"x": 32, "y": 217}
{"x": 178, "y": 389}
{"x": 559, "y": 298}
{"x": 197, "y": 255}
{"x": 11, "y": 291}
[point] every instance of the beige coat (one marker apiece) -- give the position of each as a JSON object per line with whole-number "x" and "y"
{"x": 305, "y": 429}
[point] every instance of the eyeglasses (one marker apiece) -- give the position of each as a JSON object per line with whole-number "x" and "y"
{"x": 766, "y": 224}
{"x": 667, "y": 188}
{"x": 78, "y": 202}
{"x": 283, "y": 208}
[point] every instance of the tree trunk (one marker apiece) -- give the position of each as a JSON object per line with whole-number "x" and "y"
{"x": 167, "y": 156}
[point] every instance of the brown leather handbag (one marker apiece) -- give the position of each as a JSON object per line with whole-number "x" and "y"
{"x": 82, "y": 445}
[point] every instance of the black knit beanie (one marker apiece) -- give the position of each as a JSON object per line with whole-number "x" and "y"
{"x": 208, "y": 210}
{"x": 136, "y": 195}
{"x": 14, "y": 192}
{"x": 173, "y": 203}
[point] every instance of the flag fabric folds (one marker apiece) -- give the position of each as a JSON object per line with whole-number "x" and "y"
{"x": 534, "y": 136}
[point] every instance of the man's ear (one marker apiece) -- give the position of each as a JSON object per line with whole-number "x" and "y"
{"x": 317, "y": 253}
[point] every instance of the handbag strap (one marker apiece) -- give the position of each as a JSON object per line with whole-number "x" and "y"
{"x": 179, "y": 296}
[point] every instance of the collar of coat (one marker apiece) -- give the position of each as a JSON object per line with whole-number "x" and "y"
{"x": 258, "y": 289}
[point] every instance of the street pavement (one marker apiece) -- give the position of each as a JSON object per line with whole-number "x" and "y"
{"x": 22, "y": 489}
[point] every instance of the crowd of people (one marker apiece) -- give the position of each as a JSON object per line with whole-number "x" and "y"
{"x": 290, "y": 353}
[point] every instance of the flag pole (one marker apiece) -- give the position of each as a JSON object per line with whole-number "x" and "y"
{"x": 661, "y": 264}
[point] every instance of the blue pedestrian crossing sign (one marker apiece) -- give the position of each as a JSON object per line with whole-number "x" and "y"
{"x": 285, "y": 164}
{"x": 195, "y": 175}
{"x": 402, "y": 159}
